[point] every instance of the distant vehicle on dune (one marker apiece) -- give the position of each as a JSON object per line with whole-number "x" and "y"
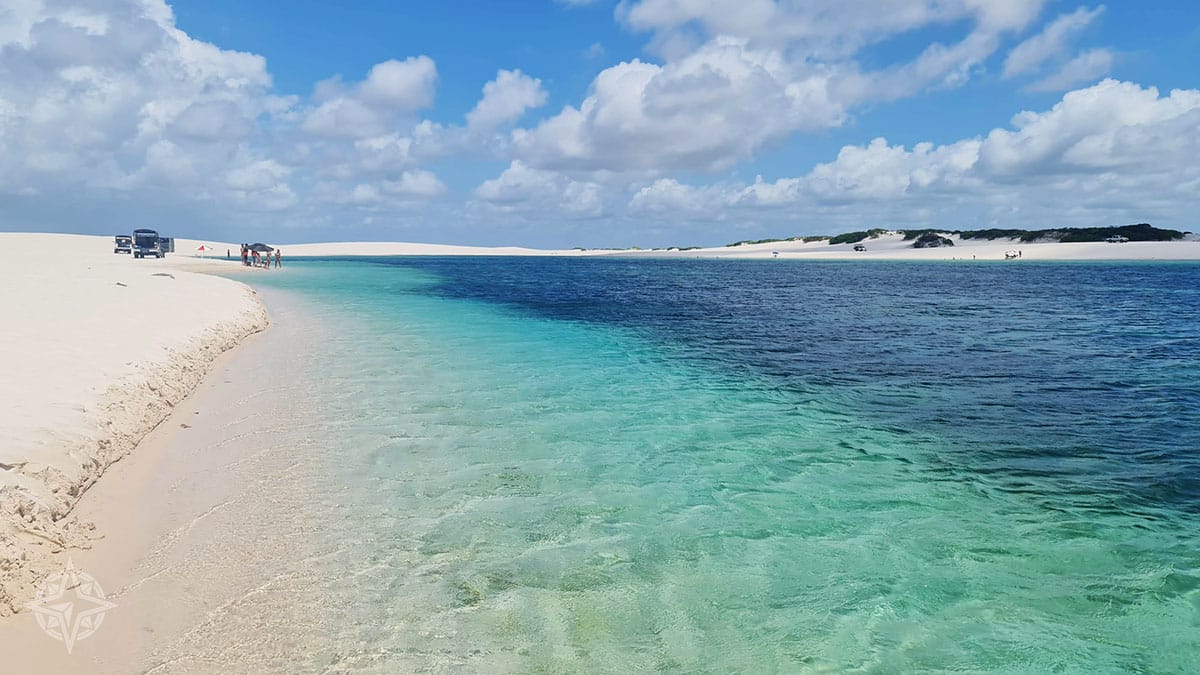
{"x": 146, "y": 243}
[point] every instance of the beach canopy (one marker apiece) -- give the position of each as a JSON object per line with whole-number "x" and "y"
{"x": 261, "y": 248}
{"x": 202, "y": 247}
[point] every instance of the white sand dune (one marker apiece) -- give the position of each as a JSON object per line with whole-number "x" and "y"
{"x": 96, "y": 350}
{"x": 188, "y": 248}
{"x": 885, "y": 247}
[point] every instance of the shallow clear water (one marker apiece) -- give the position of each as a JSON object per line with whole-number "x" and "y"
{"x": 607, "y": 465}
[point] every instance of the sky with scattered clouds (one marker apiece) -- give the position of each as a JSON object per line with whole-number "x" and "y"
{"x": 560, "y": 123}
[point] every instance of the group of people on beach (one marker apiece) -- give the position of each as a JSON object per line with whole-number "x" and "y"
{"x": 253, "y": 258}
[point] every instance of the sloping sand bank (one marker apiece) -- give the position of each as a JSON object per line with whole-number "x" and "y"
{"x": 97, "y": 349}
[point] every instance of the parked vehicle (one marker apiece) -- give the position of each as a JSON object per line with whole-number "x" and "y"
{"x": 860, "y": 247}
{"x": 124, "y": 244}
{"x": 145, "y": 243}
{"x": 1117, "y": 239}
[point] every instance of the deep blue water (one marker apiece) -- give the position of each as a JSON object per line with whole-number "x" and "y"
{"x": 1083, "y": 376}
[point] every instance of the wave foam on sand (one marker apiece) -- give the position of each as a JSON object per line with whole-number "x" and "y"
{"x": 97, "y": 350}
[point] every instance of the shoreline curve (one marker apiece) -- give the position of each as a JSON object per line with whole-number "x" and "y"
{"x": 103, "y": 349}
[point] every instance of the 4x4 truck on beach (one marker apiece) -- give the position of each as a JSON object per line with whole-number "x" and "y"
{"x": 145, "y": 243}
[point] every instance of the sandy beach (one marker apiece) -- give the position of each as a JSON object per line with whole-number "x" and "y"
{"x": 204, "y": 524}
{"x": 98, "y": 349}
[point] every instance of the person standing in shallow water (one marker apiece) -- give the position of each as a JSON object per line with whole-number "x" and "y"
{"x": 278, "y": 254}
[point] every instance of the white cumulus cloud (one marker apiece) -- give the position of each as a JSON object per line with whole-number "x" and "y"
{"x": 521, "y": 188}
{"x": 114, "y": 96}
{"x": 1112, "y": 124}
{"x": 737, "y": 76}
{"x": 401, "y": 85}
{"x": 107, "y": 102}
{"x": 390, "y": 94}
{"x": 1113, "y": 152}
{"x": 505, "y": 99}
{"x": 718, "y": 105}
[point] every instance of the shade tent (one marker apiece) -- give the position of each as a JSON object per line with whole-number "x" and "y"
{"x": 261, "y": 248}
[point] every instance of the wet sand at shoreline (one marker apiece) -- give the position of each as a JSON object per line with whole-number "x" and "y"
{"x": 203, "y": 525}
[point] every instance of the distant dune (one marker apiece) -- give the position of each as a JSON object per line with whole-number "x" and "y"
{"x": 887, "y": 246}
{"x": 893, "y": 246}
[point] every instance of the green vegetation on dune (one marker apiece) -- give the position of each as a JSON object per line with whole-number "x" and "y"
{"x": 909, "y": 235}
{"x": 848, "y": 238}
{"x": 931, "y": 240}
{"x": 855, "y": 237}
{"x": 1139, "y": 232}
{"x": 748, "y": 242}
{"x": 994, "y": 233}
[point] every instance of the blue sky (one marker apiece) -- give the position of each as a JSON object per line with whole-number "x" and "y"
{"x": 563, "y": 123}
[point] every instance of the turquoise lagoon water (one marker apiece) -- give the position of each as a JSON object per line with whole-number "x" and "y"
{"x": 549, "y": 465}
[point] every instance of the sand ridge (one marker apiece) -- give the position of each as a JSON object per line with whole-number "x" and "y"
{"x": 96, "y": 351}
